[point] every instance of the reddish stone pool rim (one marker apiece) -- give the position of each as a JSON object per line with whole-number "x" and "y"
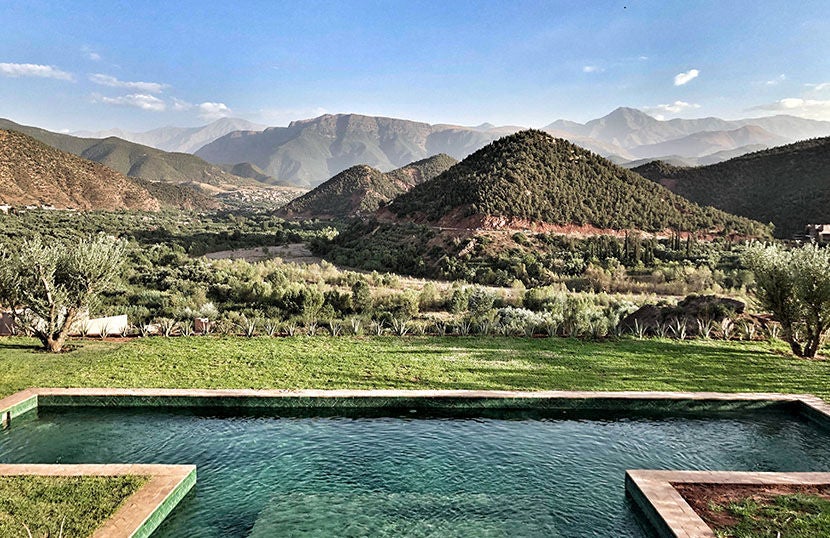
{"x": 143, "y": 511}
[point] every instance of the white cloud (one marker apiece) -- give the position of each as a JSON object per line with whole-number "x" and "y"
{"x": 592, "y": 69}
{"x": 820, "y": 87}
{"x": 796, "y": 106}
{"x": 112, "y": 82}
{"x": 683, "y": 78}
{"x": 672, "y": 108}
{"x": 179, "y": 105}
{"x": 777, "y": 80}
{"x": 213, "y": 111}
{"x": 33, "y": 70}
{"x": 137, "y": 100}
{"x": 90, "y": 54}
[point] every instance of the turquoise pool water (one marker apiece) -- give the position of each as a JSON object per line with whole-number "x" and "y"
{"x": 264, "y": 476}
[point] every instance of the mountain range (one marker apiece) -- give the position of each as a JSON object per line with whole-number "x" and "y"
{"x": 34, "y": 173}
{"x": 135, "y": 160}
{"x": 310, "y": 151}
{"x": 788, "y": 186}
{"x": 178, "y": 139}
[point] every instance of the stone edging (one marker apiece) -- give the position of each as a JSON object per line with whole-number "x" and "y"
{"x": 668, "y": 512}
{"x": 143, "y": 511}
{"x": 651, "y": 490}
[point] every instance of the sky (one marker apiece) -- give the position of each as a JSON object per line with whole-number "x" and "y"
{"x": 73, "y": 65}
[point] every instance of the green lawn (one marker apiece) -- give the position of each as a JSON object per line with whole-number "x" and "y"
{"x": 790, "y": 516}
{"x": 44, "y": 504}
{"x": 415, "y": 363}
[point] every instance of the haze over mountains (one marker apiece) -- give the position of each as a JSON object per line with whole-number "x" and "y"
{"x": 180, "y": 139}
{"x": 310, "y": 151}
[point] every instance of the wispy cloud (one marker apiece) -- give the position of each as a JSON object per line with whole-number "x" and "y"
{"x": 777, "y": 80}
{"x": 136, "y": 100}
{"x": 33, "y": 70}
{"x": 90, "y": 54}
{"x": 819, "y": 87}
{"x": 213, "y": 111}
{"x": 112, "y": 82}
{"x": 683, "y": 78}
{"x": 806, "y": 108}
{"x": 592, "y": 69}
{"x": 672, "y": 108}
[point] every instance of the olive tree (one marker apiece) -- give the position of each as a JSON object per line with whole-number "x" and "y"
{"x": 794, "y": 285}
{"x": 49, "y": 285}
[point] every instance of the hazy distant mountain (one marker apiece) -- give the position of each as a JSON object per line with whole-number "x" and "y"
{"x": 709, "y": 142}
{"x": 310, "y": 151}
{"x": 180, "y": 139}
{"x": 133, "y": 159}
{"x": 361, "y": 190}
{"x": 631, "y": 129}
{"x": 788, "y": 185}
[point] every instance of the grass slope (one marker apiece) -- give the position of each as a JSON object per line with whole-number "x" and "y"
{"x": 415, "y": 363}
{"x": 42, "y": 503}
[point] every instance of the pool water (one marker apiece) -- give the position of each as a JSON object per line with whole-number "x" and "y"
{"x": 263, "y": 476}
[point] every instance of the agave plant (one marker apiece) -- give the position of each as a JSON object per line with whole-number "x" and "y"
{"x": 335, "y": 328}
{"x": 378, "y": 327}
{"x": 311, "y": 328}
{"x": 639, "y": 329}
{"x": 485, "y": 327}
{"x": 439, "y": 328}
{"x": 727, "y": 329}
{"x": 271, "y": 327}
{"x": 677, "y": 327}
{"x": 357, "y": 326}
{"x": 186, "y": 327}
{"x": 400, "y": 326}
{"x": 748, "y": 330}
{"x": 706, "y": 328}
{"x": 661, "y": 330}
{"x": 167, "y": 326}
{"x": 249, "y": 326}
{"x": 464, "y": 327}
{"x": 773, "y": 331}
{"x": 291, "y": 328}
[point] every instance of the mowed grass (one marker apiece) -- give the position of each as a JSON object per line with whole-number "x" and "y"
{"x": 47, "y": 506}
{"x": 415, "y": 363}
{"x": 790, "y": 516}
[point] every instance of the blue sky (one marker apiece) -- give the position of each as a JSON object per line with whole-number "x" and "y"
{"x": 92, "y": 64}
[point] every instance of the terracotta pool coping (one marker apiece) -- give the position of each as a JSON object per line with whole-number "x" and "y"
{"x": 143, "y": 511}
{"x": 668, "y": 512}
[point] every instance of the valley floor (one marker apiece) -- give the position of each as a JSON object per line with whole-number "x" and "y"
{"x": 415, "y": 363}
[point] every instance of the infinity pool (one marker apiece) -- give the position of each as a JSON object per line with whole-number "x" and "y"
{"x": 266, "y": 475}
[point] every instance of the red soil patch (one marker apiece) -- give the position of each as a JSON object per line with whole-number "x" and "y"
{"x": 701, "y": 497}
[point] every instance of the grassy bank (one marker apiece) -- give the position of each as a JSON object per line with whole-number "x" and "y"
{"x": 793, "y": 516}
{"x": 45, "y": 505}
{"x": 415, "y": 363}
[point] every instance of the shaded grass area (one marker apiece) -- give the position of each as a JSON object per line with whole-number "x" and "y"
{"x": 415, "y": 363}
{"x": 45, "y": 504}
{"x": 790, "y": 516}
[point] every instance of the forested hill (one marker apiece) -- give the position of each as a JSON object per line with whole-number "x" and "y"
{"x": 532, "y": 177}
{"x": 787, "y": 185}
{"x": 32, "y": 173}
{"x": 361, "y": 189}
{"x": 133, "y": 159}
